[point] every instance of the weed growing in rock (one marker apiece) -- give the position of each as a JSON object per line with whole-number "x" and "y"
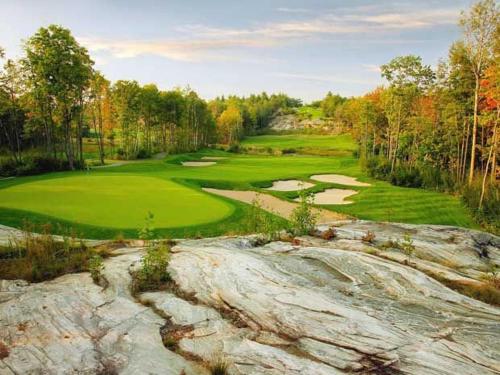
{"x": 303, "y": 216}
{"x": 96, "y": 266}
{"x": 407, "y": 246}
{"x": 38, "y": 257}
{"x": 153, "y": 272}
{"x": 218, "y": 365}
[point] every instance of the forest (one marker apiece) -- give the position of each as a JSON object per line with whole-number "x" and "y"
{"x": 429, "y": 127}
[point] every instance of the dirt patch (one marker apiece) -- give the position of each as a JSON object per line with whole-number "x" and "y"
{"x": 274, "y": 205}
{"x": 290, "y": 185}
{"x": 333, "y": 196}
{"x": 339, "y": 179}
{"x": 198, "y": 163}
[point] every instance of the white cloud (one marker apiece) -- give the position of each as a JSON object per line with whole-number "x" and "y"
{"x": 200, "y": 42}
{"x": 325, "y": 78}
{"x": 371, "y": 68}
{"x": 293, "y": 10}
{"x": 181, "y": 50}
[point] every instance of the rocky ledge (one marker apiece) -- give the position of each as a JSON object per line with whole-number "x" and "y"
{"x": 315, "y": 305}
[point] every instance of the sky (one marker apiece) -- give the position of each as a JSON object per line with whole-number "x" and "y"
{"x": 220, "y": 47}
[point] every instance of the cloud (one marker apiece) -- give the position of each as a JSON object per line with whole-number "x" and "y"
{"x": 201, "y": 42}
{"x": 372, "y": 68}
{"x": 325, "y": 78}
{"x": 181, "y": 50}
{"x": 294, "y": 10}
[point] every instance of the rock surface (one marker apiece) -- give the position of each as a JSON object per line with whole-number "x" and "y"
{"x": 294, "y": 122}
{"x": 308, "y": 307}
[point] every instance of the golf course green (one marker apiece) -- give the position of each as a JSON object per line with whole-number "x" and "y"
{"x": 103, "y": 202}
{"x": 118, "y": 201}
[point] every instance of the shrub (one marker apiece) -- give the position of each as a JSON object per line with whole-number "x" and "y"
{"x": 407, "y": 246}
{"x": 288, "y": 151}
{"x": 235, "y": 148}
{"x": 147, "y": 232}
{"x": 153, "y": 272}
{"x": 32, "y": 165}
{"x": 489, "y": 213}
{"x": 41, "y": 257}
{"x": 96, "y": 267}
{"x": 143, "y": 154}
{"x": 259, "y": 221}
{"x": 303, "y": 217}
{"x": 8, "y": 167}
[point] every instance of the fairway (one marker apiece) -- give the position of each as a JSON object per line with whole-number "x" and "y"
{"x": 107, "y": 201}
{"x": 117, "y": 201}
{"x": 311, "y": 142}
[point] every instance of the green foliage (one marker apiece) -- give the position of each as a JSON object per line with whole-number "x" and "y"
{"x": 96, "y": 266}
{"x": 147, "y": 232}
{"x": 41, "y": 257}
{"x": 489, "y": 213}
{"x": 153, "y": 272}
{"x": 407, "y": 246}
{"x": 33, "y": 165}
{"x": 304, "y": 218}
{"x": 259, "y": 221}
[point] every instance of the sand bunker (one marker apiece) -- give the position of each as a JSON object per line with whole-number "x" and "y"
{"x": 338, "y": 179}
{"x": 274, "y": 205}
{"x": 213, "y": 157}
{"x": 290, "y": 185}
{"x": 333, "y": 196}
{"x": 198, "y": 163}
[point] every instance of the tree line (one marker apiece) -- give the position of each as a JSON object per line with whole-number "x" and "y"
{"x": 52, "y": 99}
{"x": 436, "y": 128}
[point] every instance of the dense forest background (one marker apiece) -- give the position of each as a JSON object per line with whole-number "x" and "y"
{"x": 431, "y": 128}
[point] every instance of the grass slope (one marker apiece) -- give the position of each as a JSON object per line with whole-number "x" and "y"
{"x": 302, "y": 142}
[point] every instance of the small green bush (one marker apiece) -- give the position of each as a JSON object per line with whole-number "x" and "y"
{"x": 96, "y": 266}
{"x": 303, "y": 216}
{"x": 153, "y": 272}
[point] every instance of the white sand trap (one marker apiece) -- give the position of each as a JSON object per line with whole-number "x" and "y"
{"x": 333, "y": 196}
{"x": 290, "y": 185}
{"x": 198, "y": 163}
{"x": 338, "y": 179}
{"x": 213, "y": 158}
{"x": 274, "y": 205}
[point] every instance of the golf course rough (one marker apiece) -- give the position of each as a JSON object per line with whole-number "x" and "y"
{"x": 116, "y": 201}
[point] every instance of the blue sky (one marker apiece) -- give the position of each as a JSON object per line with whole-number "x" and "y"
{"x": 303, "y": 48}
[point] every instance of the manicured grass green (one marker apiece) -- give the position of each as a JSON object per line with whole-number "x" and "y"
{"x": 312, "y": 142}
{"x": 104, "y": 202}
{"x": 117, "y": 201}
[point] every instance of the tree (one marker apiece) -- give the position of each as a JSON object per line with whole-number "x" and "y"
{"x": 479, "y": 26}
{"x": 126, "y": 104}
{"x": 98, "y": 103}
{"x": 58, "y": 71}
{"x": 407, "y": 77}
{"x": 330, "y": 104}
{"x": 230, "y": 125}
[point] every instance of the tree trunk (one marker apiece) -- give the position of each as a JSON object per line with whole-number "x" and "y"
{"x": 474, "y": 131}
